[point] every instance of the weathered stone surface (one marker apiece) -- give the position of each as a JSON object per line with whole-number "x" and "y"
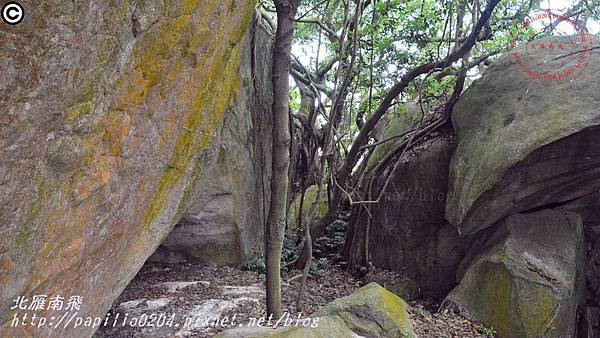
{"x": 588, "y": 207}
{"x": 405, "y": 288}
{"x": 396, "y": 123}
{"x": 523, "y": 144}
{"x": 192, "y": 317}
{"x": 527, "y": 279}
{"x": 310, "y": 196}
{"x": 224, "y": 218}
{"x": 331, "y": 327}
{"x": 371, "y": 311}
{"x": 408, "y": 232}
{"x": 104, "y": 110}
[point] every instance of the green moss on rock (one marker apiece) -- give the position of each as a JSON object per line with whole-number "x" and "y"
{"x": 526, "y": 279}
{"x": 310, "y": 197}
{"x": 371, "y": 311}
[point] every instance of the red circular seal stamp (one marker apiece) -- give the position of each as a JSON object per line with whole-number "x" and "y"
{"x": 553, "y": 58}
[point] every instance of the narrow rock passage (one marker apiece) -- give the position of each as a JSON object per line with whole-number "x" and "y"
{"x": 176, "y": 300}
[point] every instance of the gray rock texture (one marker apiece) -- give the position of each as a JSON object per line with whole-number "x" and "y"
{"x": 225, "y": 214}
{"x": 588, "y": 207}
{"x": 408, "y": 231}
{"x": 526, "y": 279}
{"x": 370, "y": 311}
{"x": 524, "y": 142}
{"x": 105, "y": 110}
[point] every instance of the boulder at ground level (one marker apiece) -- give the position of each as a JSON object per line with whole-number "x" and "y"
{"x": 524, "y": 143}
{"x": 101, "y": 128}
{"x": 330, "y": 327}
{"x": 527, "y": 279}
{"x": 371, "y": 311}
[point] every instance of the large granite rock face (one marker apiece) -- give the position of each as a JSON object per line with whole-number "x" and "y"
{"x": 225, "y": 214}
{"x": 525, "y": 143}
{"x": 371, "y": 311}
{"x": 527, "y": 278}
{"x": 408, "y": 231}
{"x": 105, "y": 108}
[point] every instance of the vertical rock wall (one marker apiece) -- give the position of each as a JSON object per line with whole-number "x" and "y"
{"x": 105, "y": 108}
{"x": 225, "y": 215}
{"x": 408, "y": 232}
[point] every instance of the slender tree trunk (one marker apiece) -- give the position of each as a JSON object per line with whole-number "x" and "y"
{"x": 275, "y": 227}
{"x": 344, "y": 171}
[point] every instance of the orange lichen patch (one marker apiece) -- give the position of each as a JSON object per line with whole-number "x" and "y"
{"x": 74, "y": 248}
{"x": 181, "y": 76}
{"x": 5, "y": 265}
{"x": 92, "y": 179}
{"x": 213, "y": 88}
{"x": 64, "y": 245}
{"x": 151, "y": 55}
{"x": 117, "y": 129}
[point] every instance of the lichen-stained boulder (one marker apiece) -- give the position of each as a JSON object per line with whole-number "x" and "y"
{"x": 523, "y": 142}
{"x": 224, "y": 217}
{"x": 371, "y": 311}
{"x": 105, "y": 107}
{"x": 527, "y": 278}
{"x": 330, "y": 327}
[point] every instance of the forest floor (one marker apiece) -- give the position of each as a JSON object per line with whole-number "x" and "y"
{"x": 185, "y": 291}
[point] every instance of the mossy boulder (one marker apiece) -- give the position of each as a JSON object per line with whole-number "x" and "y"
{"x": 111, "y": 105}
{"x": 330, "y": 327}
{"x": 523, "y": 142}
{"x": 527, "y": 278}
{"x": 371, "y": 311}
{"x": 310, "y": 197}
